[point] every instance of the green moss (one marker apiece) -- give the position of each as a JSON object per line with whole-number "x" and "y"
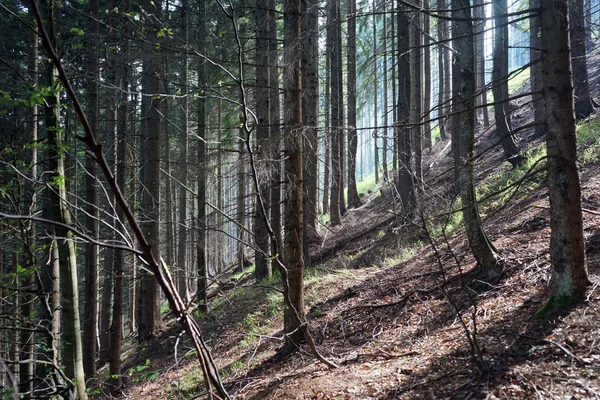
{"x": 555, "y": 304}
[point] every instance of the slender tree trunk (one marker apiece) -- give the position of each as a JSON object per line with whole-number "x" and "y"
{"x": 442, "y": 55}
{"x": 375, "y": 96}
{"x": 201, "y": 159}
{"x": 353, "y": 199}
{"x": 500, "y": 84}
{"x": 149, "y": 319}
{"x": 310, "y": 111}
{"x": 535, "y": 71}
{"x": 293, "y": 285}
{"x": 26, "y": 370}
{"x": 262, "y": 253}
{"x": 416, "y": 95}
{"x": 90, "y": 309}
{"x": 405, "y": 183}
{"x": 394, "y": 86}
{"x": 327, "y": 134}
{"x": 275, "y": 122}
{"x": 482, "y": 247}
{"x": 567, "y": 247}
{"x": 584, "y": 104}
{"x": 72, "y": 354}
{"x": 182, "y": 253}
{"x": 427, "y": 140}
{"x": 337, "y": 165}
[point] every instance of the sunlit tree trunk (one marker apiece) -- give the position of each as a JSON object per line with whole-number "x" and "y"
{"x": 375, "y": 96}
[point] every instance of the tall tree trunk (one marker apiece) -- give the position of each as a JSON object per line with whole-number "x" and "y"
{"x": 201, "y": 267}
{"x": 90, "y": 309}
{"x": 405, "y": 183}
{"x": 310, "y": 113}
{"x": 327, "y": 134}
{"x": 353, "y": 199}
{"x": 292, "y": 274}
{"x": 535, "y": 71}
{"x": 262, "y": 253}
{"x": 427, "y": 140}
{"x": 567, "y": 247}
{"x": 394, "y": 87}
{"x": 182, "y": 253}
{"x": 584, "y": 104}
{"x": 149, "y": 319}
{"x": 416, "y": 95}
{"x": 375, "y": 96}
{"x": 26, "y": 370}
{"x": 337, "y": 165}
{"x": 275, "y": 122}
{"x": 442, "y": 55}
{"x": 500, "y": 84}
{"x": 482, "y": 247}
{"x": 72, "y": 354}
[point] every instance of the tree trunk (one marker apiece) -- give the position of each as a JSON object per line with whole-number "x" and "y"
{"x": 535, "y": 71}
{"x": 293, "y": 285}
{"x": 90, "y": 309}
{"x": 482, "y": 248}
{"x": 262, "y": 253}
{"x": 427, "y": 140}
{"x": 275, "y": 122}
{"x": 149, "y": 319}
{"x": 405, "y": 183}
{"x": 567, "y": 247}
{"x": 201, "y": 159}
{"x": 337, "y": 165}
{"x": 327, "y": 133}
{"x": 442, "y": 55}
{"x": 72, "y": 354}
{"x": 584, "y": 104}
{"x": 182, "y": 270}
{"x": 500, "y": 84}
{"x": 310, "y": 113}
{"x": 353, "y": 199}
{"x": 375, "y": 96}
{"x": 416, "y": 93}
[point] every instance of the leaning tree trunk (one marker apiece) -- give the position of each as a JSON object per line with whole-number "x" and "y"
{"x": 567, "y": 248}
{"x": 482, "y": 247}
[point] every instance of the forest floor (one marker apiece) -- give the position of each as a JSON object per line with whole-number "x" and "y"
{"x": 400, "y": 314}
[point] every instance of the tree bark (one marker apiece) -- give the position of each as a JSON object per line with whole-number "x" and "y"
{"x": 535, "y": 71}
{"x": 584, "y": 104}
{"x": 567, "y": 247}
{"x": 353, "y": 198}
{"x": 337, "y": 166}
{"x": 149, "y": 319}
{"x": 482, "y": 247}
{"x": 500, "y": 84}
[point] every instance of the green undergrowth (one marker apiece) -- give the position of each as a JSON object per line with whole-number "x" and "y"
{"x": 588, "y": 140}
{"x": 518, "y": 80}
{"x": 512, "y": 183}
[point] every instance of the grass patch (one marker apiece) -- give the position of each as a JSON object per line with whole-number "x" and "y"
{"x": 502, "y": 186}
{"x": 588, "y": 140}
{"x": 516, "y": 82}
